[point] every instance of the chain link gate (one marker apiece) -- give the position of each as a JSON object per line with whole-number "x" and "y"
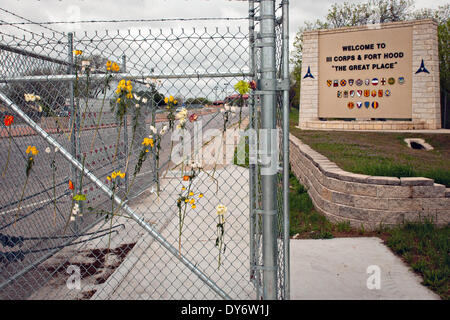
{"x": 101, "y": 208}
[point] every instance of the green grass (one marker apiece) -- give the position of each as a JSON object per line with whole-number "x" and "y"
{"x": 422, "y": 245}
{"x": 380, "y": 153}
{"x": 425, "y": 248}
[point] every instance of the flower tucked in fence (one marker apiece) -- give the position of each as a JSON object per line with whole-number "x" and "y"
{"x": 77, "y": 52}
{"x": 8, "y": 121}
{"x": 171, "y": 103}
{"x": 124, "y": 99}
{"x": 220, "y": 244}
{"x": 31, "y": 97}
{"x": 186, "y": 197}
{"x": 182, "y": 118}
{"x": 243, "y": 87}
{"x": 112, "y": 66}
{"x": 31, "y": 152}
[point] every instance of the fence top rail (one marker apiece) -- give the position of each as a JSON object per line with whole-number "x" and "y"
{"x": 143, "y": 77}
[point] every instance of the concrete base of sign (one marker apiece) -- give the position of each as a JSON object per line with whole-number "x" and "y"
{"x": 362, "y": 125}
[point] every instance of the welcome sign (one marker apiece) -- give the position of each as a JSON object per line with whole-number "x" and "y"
{"x": 366, "y": 74}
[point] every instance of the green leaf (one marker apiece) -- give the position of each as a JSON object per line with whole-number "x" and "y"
{"x": 79, "y": 197}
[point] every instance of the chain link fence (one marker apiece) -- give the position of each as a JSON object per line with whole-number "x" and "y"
{"x": 122, "y": 176}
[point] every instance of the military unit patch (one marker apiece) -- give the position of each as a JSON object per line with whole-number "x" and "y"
{"x": 387, "y": 93}
{"x": 367, "y": 82}
{"x": 401, "y": 80}
{"x": 339, "y": 94}
{"x": 366, "y": 93}
{"x": 383, "y": 81}
{"x": 359, "y": 82}
{"x": 335, "y": 83}
{"x": 367, "y": 104}
{"x": 375, "y": 105}
{"x": 391, "y": 80}
{"x": 374, "y": 93}
{"x": 359, "y": 104}
{"x": 350, "y": 82}
{"x": 343, "y": 83}
{"x": 346, "y": 94}
{"x": 329, "y": 83}
{"x": 350, "y": 105}
{"x": 352, "y": 93}
{"x": 375, "y": 81}
{"x": 380, "y": 93}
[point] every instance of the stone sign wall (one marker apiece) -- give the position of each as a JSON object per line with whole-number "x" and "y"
{"x": 371, "y": 77}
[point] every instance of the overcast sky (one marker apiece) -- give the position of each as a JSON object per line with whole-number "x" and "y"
{"x": 73, "y": 10}
{"x": 76, "y": 10}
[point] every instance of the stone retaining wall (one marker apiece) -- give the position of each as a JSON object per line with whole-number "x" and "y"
{"x": 366, "y": 200}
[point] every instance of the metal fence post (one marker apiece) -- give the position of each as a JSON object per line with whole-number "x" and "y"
{"x": 251, "y": 14}
{"x": 268, "y": 124}
{"x": 286, "y": 150}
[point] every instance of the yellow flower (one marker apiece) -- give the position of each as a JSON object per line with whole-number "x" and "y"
{"x": 128, "y": 83}
{"x": 191, "y": 194}
{"x": 129, "y": 95}
{"x": 114, "y": 175}
{"x": 122, "y": 83}
{"x": 192, "y": 201}
{"x": 121, "y": 174}
{"x": 175, "y": 101}
{"x": 200, "y": 195}
{"x": 186, "y": 200}
{"x": 33, "y": 150}
{"x": 115, "y": 67}
{"x": 166, "y": 100}
{"x": 118, "y": 100}
{"x": 108, "y": 64}
{"x": 77, "y": 52}
{"x": 109, "y": 178}
{"x": 148, "y": 142}
{"x": 194, "y": 206}
{"x": 171, "y": 99}
{"x": 183, "y": 189}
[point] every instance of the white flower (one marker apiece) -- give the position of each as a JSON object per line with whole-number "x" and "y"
{"x": 221, "y": 209}
{"x": 137, "y": 105}
{"x": 163, "y": 130}
{"x": 47, "y": 150}
{"x": 153, "y": 129}
{"x": 144, "y": 100}
{"x": 182, "y": 114}
{"x": 85, "y": 63}
{"x": 56, "y": 149}
{"x": 136, "y": 96}
{"x": 40, "y": 109}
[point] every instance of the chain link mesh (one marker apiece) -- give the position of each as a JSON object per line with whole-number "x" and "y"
{"x": 61, "y": 235}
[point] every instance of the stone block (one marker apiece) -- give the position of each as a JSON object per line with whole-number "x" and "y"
{"x": 404, "y": 205}
{"x": 416, "y": 181}
{"x": 435, "y": 191}
{"x": 394, "y": 192}
{"x": 392, "y": 181}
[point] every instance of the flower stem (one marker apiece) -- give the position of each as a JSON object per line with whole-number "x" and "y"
{"x": 21, "y": 198}
{"x": 9, "y": 151}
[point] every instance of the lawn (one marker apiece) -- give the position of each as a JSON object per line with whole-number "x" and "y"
{"x": 380, "y": 153}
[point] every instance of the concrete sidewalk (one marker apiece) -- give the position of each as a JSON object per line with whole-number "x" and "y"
{"x": 340, "y": 269}
{"x": 320, "y": 269}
